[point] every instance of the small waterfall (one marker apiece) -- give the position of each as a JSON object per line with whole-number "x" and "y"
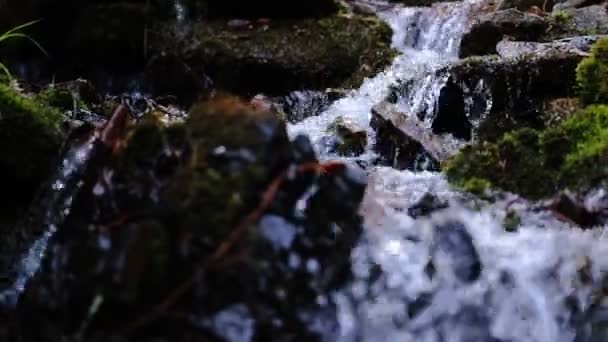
{"x": 456, "y": 275}
{"x": 427, "y": 39}
{"x": 57, "y": 203}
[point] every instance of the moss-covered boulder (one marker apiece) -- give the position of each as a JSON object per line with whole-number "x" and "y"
{"x": 491, "y": 28}
{"x": 592, "y": 74}
{"x": 268, "y": 8}
{"x": 30, "y": 138}
{"x": 220, "y": 216}
{"x": 508, "y": 93}
{"x": 283, "y": 55}
{"x": 351, "y": 139}
{"x": 537, "y": 164}
{"x": 568, "y": 22}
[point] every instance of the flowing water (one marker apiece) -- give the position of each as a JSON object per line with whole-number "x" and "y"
{"x": 456, "y": 275}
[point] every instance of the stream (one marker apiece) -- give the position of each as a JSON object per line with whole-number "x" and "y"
{"x": 455, "y": 275}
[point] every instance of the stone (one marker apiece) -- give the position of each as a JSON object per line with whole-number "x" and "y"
{"x": 491, "y": 28}
{"x": 515, "y": 87}
{"x": 574, "y": 45}
{"x": 351, "y": 139}
{"x": 450, "y": 116}
{"x": 404, "y": 143}
{"x": 220, "y": 217}
{"x": 522, "y": 5}
{"x": 281, "y": 56}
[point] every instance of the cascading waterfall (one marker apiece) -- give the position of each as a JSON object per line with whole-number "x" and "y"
{"x": 456, "y": 275}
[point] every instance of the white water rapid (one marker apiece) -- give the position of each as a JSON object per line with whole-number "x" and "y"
{"x": 457, "y": 275}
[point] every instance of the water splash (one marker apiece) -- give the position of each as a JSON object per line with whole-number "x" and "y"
{"x": 427, "y": 39}
{"x": 66, "y": 183}
{"x": 534, "y": 284}
{"x": 456, "y": 275}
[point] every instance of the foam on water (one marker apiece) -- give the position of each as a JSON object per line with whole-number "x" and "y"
{"x": 427, "y": 39}
{"x": 530, "y": 287}
{"x": 537, "y": 284}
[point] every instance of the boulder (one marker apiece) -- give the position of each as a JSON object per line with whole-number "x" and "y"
{"x": 217, "y": 228}
{"x": 522, "y": 5}
{"x": 404, "y": 143}
{"x": 491, "y": 28}
{"x": 573, "y": 21}
{"x": 277, "y": 57}
{"x": 351, "y": 139}
{"x": 514, "y": 88}
{"x": 265, "y": 8}
{"x": 573, "y": 4}
{"x": 30, "y": 140}
{"x": 539, "y": 163}
{"x": 574, "y": 45}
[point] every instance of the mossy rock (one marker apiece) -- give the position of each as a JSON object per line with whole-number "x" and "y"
{"x": 592, "y": 74}
{"x": 199, "y": 203}
{"x": 284, "y": 55}
{"x": 537, "y": 164}
{"x": 30, "y": 138}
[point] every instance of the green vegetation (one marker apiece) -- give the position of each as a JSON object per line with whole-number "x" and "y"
{"x": 572, "y": 153}
{"x": 535, "y": 164}
{"x": 15, "y": 33}
{"x": 592, "y": 74}
{"x": 30, "y": 136}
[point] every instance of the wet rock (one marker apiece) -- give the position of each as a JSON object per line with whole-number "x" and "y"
{"x": 268, "y": 9}
{"x": 284, "y": 55}
{"x": 109, "y": 36}
{"x": 453, "y": 247}
{"x": 351, "y": 139}
{"x": 516, "y": 88}
{"x": 491, "y": 28}
{"x": 571, "y": 4}
{"x": 588, "y": 20}
{"x": 571, "y": 209}
{"x": 404, "y": 143}
{"x": 301, "y": 104}
{"x": 576, "y": 45}
{"x": 450, "y": 114}
{"x": 522, "y": 5}
{"x": 538, "y": 164}
{"x": 428, "y": 204}
{"x": 30, "y": 140}
{"x": 202, "y": 224}
{"x": 168, "y": 75}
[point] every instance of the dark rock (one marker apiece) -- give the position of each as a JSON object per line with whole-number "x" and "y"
{"x": 570, "y": 4}
{"x": 281, "y": 56}
{"x": 591, "y": 20}
{"x": 522, "y": 5}
{"x": 301, "y": 104}
{"x": 403, "y": 143}
{"x": 454, "y": 246}
{"x": 268, "y": 9}
{"x": 30, "y": 142}
{"x": 168, "y": 75}
{"x": 572, "y": 209}
{"x": 516, "y": 87}
{"x": 450, "y": 114}
{"x": 576, "y": 45}
{"x": 222, "y": 219}
{"x": 491, "y": 28}
{"x": 428, "y": 204}
{"x": 351, "y": 139}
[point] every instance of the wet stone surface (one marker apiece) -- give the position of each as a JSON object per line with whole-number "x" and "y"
{"x": 216, "y": 229}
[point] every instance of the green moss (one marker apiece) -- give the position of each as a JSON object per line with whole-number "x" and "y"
{"x": 560, "y": 18}
{"x": 512, "y": 221}
{"x": 535, "y": 164}
{"x": 592, "y": 74}
{"x": 288, "y": 54}
{"x": 30, "y": 137}
{"x": 210, "y": 169}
